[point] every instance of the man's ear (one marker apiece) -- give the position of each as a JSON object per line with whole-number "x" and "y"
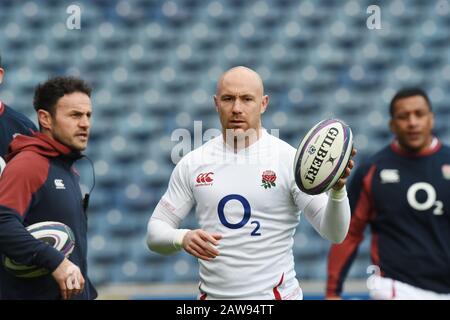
{"x": 392, "y": 126}
{"x": 2, "y": 72}
{"x": 264, "y": 103}
{"x": 45, "y": 119}
{"x": 432, "y": 120}
{"x": 216, "y": 102}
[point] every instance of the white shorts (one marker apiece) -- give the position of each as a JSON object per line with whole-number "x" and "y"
{"x": 381, "y": 288}
{"x": 288, "y": 291}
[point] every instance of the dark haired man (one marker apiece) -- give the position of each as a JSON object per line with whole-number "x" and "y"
{"x": 39, "y": 184}
{"x": 11, "y": 123}
{"x": 403, "y": 193}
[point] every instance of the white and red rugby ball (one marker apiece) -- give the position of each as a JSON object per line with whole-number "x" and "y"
{"x": 322, "y": 156}
{"x": 56, "y": 234}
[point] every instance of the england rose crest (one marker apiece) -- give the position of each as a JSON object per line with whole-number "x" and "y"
{"x": 268, "y": 179}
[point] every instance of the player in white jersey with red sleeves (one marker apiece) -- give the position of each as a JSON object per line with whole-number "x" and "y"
{"x": 246, "y": 202}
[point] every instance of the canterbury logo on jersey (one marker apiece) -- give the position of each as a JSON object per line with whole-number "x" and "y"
{"x": 204, "y": 179}
{"x": 59, "y": 184}
{"x": 389, "y": 176}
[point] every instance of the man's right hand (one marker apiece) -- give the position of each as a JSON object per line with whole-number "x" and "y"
{"x": 198, "y": 243}
{"x": 69, "y": 279}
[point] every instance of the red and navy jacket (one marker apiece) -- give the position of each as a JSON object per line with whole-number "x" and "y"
{"x": 11, "y": 123}
{"x": 405, "y": 198}
{"x": 39, "y": 184}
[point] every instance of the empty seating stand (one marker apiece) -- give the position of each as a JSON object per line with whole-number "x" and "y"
{"x": 154, "y": 63}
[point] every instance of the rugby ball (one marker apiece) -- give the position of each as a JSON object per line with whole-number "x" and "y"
{"x": 322, "y": 156}
{"x": 56, "y": 234}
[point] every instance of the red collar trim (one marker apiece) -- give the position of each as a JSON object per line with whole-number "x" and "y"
{"x": 432, "y": 148}
{"x": 2, "y": 108}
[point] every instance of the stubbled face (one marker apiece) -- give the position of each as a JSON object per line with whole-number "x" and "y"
{"x": 72, "y": 121}
{"x": 412, "y": 123}
{"x": 239, "y": 100}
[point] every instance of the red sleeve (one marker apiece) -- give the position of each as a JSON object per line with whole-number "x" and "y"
{"x": 22, "y": 177}
{"x": 342, "y": 255}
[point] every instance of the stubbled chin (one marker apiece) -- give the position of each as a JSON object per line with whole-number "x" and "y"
{"x": 237, "y": 127}
{"x": 79, "y": 146}
{"x": 413, "y": 146}
{"x": 238, "y": 132}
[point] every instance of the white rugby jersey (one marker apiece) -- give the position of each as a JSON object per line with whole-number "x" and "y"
{"x": 251, "y": 199}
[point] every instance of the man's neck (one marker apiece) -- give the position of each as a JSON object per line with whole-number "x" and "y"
{"x": 241, "y": 141}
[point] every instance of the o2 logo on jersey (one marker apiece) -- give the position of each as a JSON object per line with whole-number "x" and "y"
{"x": 245, "y": 218}
{"x": 2, "y": 165}
{"x": 431, "y": 201}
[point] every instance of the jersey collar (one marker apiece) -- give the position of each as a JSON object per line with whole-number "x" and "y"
{"x": 434, "y": 147}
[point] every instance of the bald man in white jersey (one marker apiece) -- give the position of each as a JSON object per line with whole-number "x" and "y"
{"x": 246, "y": 201}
